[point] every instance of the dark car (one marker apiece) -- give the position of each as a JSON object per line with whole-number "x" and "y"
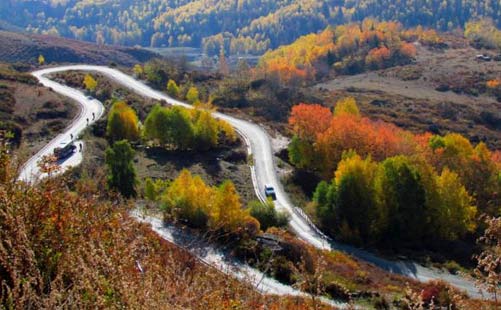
{"x": 269, "y": 191}
{"x": 64, "y": 152}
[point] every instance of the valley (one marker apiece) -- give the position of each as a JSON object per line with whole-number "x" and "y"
{"x": 249, "y": 154}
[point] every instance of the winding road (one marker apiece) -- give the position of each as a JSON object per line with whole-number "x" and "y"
{"x": 263, "y": 172}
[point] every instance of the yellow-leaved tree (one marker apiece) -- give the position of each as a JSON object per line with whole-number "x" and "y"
{"x": 41, "y": 60}
{"x": 226, "y": 210}
{"x": 345, "y": 106}
{"x": 90, "y": 83}
{"x": 188, "y": 198}
{"x": 122, "y": 123}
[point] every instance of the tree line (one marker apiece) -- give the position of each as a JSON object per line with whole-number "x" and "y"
{"x": 244, "y": 26}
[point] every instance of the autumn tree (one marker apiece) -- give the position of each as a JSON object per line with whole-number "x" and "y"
{"x": 456, "y": 212}
{"x": 90, "y": 83}
{"x": 192, "y": 95}
{"x": 206, "y": 130}
{"x": 346, "y": 106}
{"x": 226, "y": 210}
{"x": 138, "y": 71}
{"x": 377, "y": 57}
{"x": 121, "y": 172}
{"x": 188, "y": 198}
{"x": 41, "y": 60}
{"x": 172, "y": 89}
{"x": 122, "y": 123}
{"x": 354, "y": 210}
{"x": 308, "y": 120}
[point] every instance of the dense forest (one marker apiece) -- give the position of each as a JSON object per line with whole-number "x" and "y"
{"x": 389, "y": 183}
{"x": 244, "y": 26}
{"x": 348, "y": 49}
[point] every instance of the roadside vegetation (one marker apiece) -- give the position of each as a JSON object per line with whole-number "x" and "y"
{"x": 71, "y": 243}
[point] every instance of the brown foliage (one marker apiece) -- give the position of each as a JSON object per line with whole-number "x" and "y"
{"x": 65, "y": 249}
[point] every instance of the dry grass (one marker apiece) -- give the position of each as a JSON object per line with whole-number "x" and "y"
{"x": 78, "y": 248}
{"x": 19, "y": 47}
{"x": 410, "y": 96}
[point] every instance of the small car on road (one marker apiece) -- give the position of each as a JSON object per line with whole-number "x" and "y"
{"x": 269, "y": 191}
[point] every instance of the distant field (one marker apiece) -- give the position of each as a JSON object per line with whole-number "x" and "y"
{"x": 408, "y": 95}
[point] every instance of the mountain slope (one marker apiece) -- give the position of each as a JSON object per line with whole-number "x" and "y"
{"x": 244, "y": 26}
{"x": 19, "y": 47}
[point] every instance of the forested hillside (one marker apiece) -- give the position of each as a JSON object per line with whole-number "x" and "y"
{"x": 243, "y": 26}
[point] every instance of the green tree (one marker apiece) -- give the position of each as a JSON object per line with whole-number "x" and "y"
{"x": 90, "y": 83}
{"x": 150, "y": 128}
{"x": 122, "y": 123}
{"x": 355, "y": 205}
{"x": 324, "y": 199}
{"x": 206, "y": 130}
{"x": 181, "y": 132}
{"x": 153, "y": 189}
{"x": 267, "y": 215}
{"x": 401, "y": 201}
{"x": 301, "y": 153}
{"x": 170, "y": 126}
{"x": 193, "y": 96}
{"x": 172, "y": 89}
{"x": 121, "y": 171}
{"x": 150, "y": 192}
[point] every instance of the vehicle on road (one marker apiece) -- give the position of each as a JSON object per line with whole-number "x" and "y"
{"x": 484, "y": 57}
{"x": 64, "y": 152}
{"x": 269, "y": 191}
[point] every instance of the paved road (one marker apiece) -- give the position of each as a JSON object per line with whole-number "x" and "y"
{"x": 216, "y": 258}
{"x": 92, "y": 110}
{"x": 264, "y": 172}
{"x": 30, "y": 171}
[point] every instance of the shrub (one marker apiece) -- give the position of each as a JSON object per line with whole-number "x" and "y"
{"x": 267, "y": 215}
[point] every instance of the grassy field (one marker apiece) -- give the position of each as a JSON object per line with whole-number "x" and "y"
{"x": 443, "y": 91}
{"x": 25, "y": 48}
